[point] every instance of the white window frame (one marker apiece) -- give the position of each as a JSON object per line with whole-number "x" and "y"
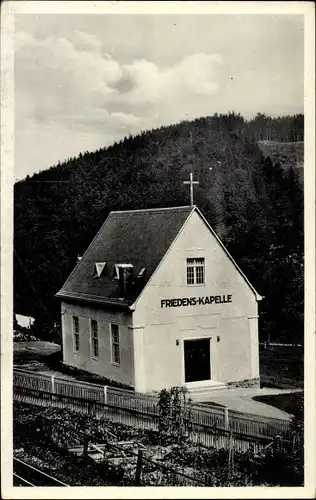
{"x": 195, "y": 264}
{"x": 76, "y": 333}
{"x": 116, "y": 343}
{"x": 94, "y": 321}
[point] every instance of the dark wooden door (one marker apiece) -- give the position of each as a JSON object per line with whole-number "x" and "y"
{"x": 197, "y": 360}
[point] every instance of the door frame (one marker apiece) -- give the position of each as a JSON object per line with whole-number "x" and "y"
{"x": 189, "y": 367}
{"x": 209, "y": 334}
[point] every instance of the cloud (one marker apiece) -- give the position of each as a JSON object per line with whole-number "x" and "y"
{"x": 55, "y": 79}
{"x": 71, "y": 85}
{"x": 82, "y": 82}
{"x": 195, "y": 74}
{"x": 126, "y": 119}
{"x": 59, "y": 77}
{"x": 198, "y": 73}
{"x": 84, "y": 41}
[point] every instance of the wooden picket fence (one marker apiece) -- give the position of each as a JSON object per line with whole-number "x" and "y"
{"x": 211, "y": 425}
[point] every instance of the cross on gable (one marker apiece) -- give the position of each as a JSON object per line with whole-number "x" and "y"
{"x": 191, "y": 182}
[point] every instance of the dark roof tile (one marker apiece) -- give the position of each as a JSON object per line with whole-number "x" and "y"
{"x": 137, "y": 237}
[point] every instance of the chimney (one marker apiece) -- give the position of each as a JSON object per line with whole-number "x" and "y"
{"x": 125, "y": 272}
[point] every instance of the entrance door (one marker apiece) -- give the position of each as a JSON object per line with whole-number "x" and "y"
{"x": 197, "y": 360}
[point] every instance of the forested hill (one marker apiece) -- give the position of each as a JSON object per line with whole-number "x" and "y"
{"x": 287, "y": 154}
{"x": 255, "y": 206}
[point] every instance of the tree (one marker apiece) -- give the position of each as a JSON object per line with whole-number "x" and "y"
{"x": 255, "y": 205}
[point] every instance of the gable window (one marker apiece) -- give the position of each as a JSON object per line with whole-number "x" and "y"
{"x": 75, "y": 331}
{"x": 195, "y": 271}
{"x": 94, "y": 338}
{"x": 115, "y": 340}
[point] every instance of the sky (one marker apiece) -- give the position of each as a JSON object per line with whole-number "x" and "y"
{"x": 83, "y": 81}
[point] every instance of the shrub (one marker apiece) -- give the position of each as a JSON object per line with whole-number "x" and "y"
{"x": 174, "y": 415}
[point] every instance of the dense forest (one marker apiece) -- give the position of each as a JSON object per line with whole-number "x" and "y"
{"x": 255, "y": 205}
{"x": 287, "y": 154}
{"x": 282, "y": 129}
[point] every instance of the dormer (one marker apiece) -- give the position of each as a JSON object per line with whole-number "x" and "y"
{"x": 117, "y": 267}
{"x": 124, "y": 273}
{"x": 141, "y": 273}
{"x": 99, "y": 268}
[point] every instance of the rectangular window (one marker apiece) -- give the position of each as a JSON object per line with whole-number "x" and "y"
{"x": 94, "y": 338}
{"x": 195, "y": 271}
{"x": 115, "y": 339}
{"x": 75, "y": 330}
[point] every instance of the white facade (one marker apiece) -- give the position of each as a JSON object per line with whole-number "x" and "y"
{"x": 84, "y": 358}
{"x": 156, "y": 336}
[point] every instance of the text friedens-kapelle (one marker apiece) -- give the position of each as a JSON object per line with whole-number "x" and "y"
{"x": 196, "y": 301}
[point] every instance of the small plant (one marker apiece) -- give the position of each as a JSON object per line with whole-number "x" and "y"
{"x": 48, "y": 432}
{"x": 174, "y": 415}
{"x": 164, "y": 405}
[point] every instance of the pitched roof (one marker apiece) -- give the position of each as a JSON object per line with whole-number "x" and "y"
{"x": 137, "y": 237}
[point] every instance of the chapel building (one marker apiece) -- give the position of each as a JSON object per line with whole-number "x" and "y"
{"x": 157, "y": 301}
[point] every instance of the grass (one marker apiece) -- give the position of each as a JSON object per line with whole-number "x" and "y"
{"x": 289, "y": 402}
{"x": 282, "y": 368}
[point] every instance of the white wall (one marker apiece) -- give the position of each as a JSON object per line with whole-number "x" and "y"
{"x": 123, "y": 373}
{"x": 234, "y": 357}
{"x": 24, "y": 321}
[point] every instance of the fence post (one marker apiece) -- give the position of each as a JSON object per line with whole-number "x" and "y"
{"x": 105, "y": 388}
{"x": 226, "y": 416}
{"x": 230, "y": 455}
{"x": 90, "y": 408}
{"x": 139, "y": 467}
{"x": 52, "y": 387}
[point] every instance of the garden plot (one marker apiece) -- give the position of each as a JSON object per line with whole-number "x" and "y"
{"x": 83, "y": 451}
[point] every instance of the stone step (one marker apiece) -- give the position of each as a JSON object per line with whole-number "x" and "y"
{"x": 199, "y": 391}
